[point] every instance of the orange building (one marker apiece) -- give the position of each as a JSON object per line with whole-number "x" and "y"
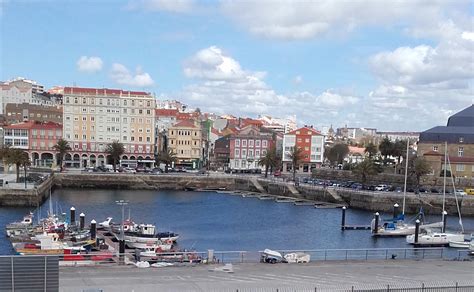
{"x": 311, "y": 142}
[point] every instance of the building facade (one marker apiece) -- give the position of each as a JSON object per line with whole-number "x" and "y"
{"x": 311, "y": 142}
{"x": 95, "y": 117}
{"x": 36, "y": 138}
{"x": 458, "y": 135}
{"x": 247, "y": 147}
{"x": 185, "y": 140}
{"x": 22, "y": 112}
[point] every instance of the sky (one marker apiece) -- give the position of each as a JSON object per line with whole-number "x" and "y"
{"x": 391, "y": 65}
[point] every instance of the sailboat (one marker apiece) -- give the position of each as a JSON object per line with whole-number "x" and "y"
{"x": 441, "y": 238}
{"x": 397, "y": 226}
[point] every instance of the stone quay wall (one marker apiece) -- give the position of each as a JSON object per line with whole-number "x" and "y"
{"x": 372, "y": 201}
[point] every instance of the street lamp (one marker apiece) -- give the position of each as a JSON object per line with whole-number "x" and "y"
{"x": 122, "y": 203}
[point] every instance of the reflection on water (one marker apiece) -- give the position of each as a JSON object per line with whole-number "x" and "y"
{"x": 208, "y": 220}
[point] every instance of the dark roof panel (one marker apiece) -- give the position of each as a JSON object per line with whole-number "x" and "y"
{"x": 464, "y": 118}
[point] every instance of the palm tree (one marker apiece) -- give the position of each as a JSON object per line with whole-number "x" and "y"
{"x": 167, "y": 157}
{"x": 419, "y": 168}
{"x": 62, "y": 147}
{"x": 115, "y": 150}
{"x": 295, "y": 155}
{"x": 19, "y": 158}
{"x": 365, "y": 169}
{"x": 269, "y": 160}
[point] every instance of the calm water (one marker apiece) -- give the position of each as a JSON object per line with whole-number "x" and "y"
{"x": 208, "y": 220}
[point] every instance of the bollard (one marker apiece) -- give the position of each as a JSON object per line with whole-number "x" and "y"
{"x": 417, "y": 231}
{"x": 93, "y": 229}
{"x": 445, "y": 219}
{"x": 122, "y": 247}
{"x": 343, "y": 221}
{"x": 82, "y": 218}
{"x": 376, "y": 225}
{"x": 73, "y": 215}
{"x": 396, "y": 211}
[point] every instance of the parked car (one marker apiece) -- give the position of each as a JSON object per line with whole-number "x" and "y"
{"x": 460, "y": 192}
{"x": 381, "y": 188}
{"x": 434, "y": 191}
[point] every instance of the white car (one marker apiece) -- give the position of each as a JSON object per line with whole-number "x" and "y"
{"x": 381, "y": 188}
{"x": 461, "y": 192}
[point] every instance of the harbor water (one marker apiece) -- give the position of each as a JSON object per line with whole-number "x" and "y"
{"x": 223, "y": 222}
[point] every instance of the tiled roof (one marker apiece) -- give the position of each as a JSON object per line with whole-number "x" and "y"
{"x": 313, "y": 131}
{"x": 185, "y": 124}
{"x": 166, "y": 112}
{"x": 101, "y": 91}
{"x": 35, "y": 125}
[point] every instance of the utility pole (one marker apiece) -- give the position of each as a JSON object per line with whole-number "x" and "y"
{"x": 122, "y": 203}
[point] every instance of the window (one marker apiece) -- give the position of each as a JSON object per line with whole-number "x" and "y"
{"x": 460, "y": 167}
{"x": 244, "y": 153}
{"x": 435, "y": 148}
{"x": 299, "y": 140}
{"x": 306, "y": 140}
{"x": 237, "y": 142}
{"x": 250, "y": 153}
{"x": 461, "y": 151}
{"x": 237, "y": 153}
{"x": 250, "y": 143}
{"x": 244, "y": 143}
{"x": 257, "y": 143}
{"x": 257, "y": 153}
{"x": 264, "y": 143}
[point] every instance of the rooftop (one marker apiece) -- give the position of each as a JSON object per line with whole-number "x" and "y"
{"x": 102, "y": 91}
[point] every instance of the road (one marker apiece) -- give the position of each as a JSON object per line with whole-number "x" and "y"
{"x": 326, "y": 276}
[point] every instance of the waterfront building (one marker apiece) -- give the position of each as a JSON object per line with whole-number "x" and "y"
{"x": 36, "y": 138}
{"x": 221, "y": 153}
{"x": 247, "y": 147}
{"x": 22, "y": 112}
{"x": 357, "y": 135}
{"x": 311, "y": 142}
{"x": 95, "y": 117}
{"x": 459, "y": 135}
{"x": 355, "y": 155}
{"x": 186, "y": 141}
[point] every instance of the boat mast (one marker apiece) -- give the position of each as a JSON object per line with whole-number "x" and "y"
{"x": 50, "y": 203}
{"x": 444, "y": 179}
{"x": 456, "y": 197}
{"x": 406, "y": 176}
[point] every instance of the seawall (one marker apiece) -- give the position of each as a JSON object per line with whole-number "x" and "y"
{"x": 372, "y": 201}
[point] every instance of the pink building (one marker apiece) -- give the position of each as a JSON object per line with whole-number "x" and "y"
{"x": 36, "y": 138}
{"x": 247, "y": 147}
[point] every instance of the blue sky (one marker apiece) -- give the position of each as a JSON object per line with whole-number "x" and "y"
{"x": 326, "y": 64}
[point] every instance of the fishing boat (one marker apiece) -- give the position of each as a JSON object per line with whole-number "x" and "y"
{"x": 21, "y": 225}
{"x": 142, "y": 236}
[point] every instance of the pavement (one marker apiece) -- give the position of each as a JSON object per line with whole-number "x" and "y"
{"x": 314, "y": 276}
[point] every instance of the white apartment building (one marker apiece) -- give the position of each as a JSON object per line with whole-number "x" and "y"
{"x": 95, "y": 117}
{"x": 279, "y": 125}
{"x": 21, "y": 90}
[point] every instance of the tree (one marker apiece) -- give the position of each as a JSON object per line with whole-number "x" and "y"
{"x": 19, "y": 158}
{"x": 62, "y": 147}
{"x": 399, "y": 149}
{"x": 166, "y": 156}
{"x": 337, "y": 153}
{"x": 371, "y": 149}
{"x": 365, "y": 169}
{"x": 295, "y": 155}
{"x": 115, "y": 150}
{"x": 269, "y": 160}
{"x": 386, "y": 148}
{"x": 419, "y": 168}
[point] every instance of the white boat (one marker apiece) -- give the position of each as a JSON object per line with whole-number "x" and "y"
{"x": 435, "y": 239}
{"x": 106, "y": 224}
{"x": 399, "y": 228}
{"x": 441, "y": 238}
{"x": 297, "y": 257}
{"x": 143, "y": 237}
{"x": 459, "y": 244}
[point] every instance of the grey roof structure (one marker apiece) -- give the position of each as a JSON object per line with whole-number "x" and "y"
{"x": 460, "y": 127}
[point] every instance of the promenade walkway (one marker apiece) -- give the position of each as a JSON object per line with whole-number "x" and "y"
{"x": 325, "y": 276}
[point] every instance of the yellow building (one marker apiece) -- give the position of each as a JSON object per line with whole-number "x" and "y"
{"x": 185, "y": 139}
{"x": 95, "y": 117}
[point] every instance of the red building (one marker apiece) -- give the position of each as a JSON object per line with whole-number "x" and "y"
{"x": 311, "y": 142}
{"x": 36, "y": 138}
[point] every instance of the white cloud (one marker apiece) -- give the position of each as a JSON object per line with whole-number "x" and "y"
{"x": 89, "y": 64}
{"x": 293, "y": 20}
{"x": 176, "y": 6}
{"x": 223, "y": 86}
{"x": 121, "y": 75}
